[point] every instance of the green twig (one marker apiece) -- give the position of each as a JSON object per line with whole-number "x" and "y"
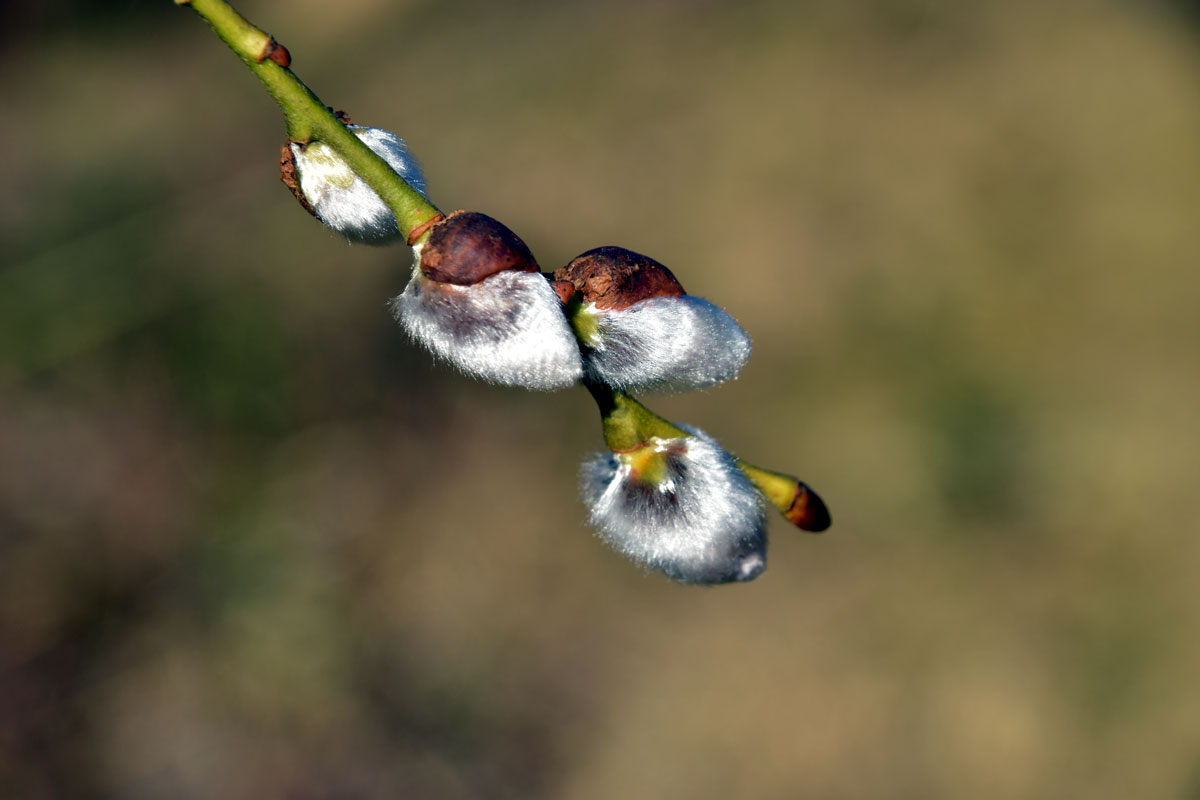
{"x": 627, "y": 423}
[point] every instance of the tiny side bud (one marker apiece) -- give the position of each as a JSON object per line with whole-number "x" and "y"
{"x": 277, "y": 53}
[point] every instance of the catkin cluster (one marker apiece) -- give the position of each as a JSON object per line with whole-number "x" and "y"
{"x": 665, "y": 495}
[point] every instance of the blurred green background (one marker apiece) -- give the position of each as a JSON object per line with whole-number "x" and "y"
{"x": 254, "y": 544}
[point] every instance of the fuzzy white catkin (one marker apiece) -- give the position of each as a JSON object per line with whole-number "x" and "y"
{"x": 341, "y": 199}
{"x": 665, "y": 344}
{"x": 507, "y": 329}
{"x": 705, "y": 523}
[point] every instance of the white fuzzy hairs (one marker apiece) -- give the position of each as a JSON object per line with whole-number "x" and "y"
{"x": 344, "y": 201}
{"x": 665, "y": 344}
{"x": 507, "y": 329}
{"x": 703, "y": 523}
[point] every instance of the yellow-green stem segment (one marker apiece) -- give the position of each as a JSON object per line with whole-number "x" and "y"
{"x": 777, "y": 487}
{"x": 795, "y": 500}
{"x": 308, "y": 120}
{"x": 627, "y": 423}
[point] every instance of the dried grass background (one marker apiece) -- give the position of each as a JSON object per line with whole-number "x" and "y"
{"x": 254, "y": 544}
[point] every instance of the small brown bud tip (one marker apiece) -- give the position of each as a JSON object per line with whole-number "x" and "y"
{"x": 276, "y": 52}
{"x": 466, "y": 247}
{"x": 808, "y": 512}
{"x": 289, "y": 176}
{"x": 341, "y": 116}
{"x": 279, "y": 54}
{"x": 564, "y": 289}
{"x": 616, "y": 278}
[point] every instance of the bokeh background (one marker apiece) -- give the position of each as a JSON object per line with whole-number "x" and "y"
{"x": 254, "y": 544}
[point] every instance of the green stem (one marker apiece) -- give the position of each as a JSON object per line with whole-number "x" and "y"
{"x": 777, "y": 487}
{"x": 308, "y": 119}
{"x": 795, "y": 499}
{"x": 627, "y": 423}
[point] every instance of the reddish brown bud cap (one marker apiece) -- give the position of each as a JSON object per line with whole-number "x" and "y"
{"x": 467, "y": 247}
{"x": 808, "y": 511}
{"x": 279, "y": 54}
{"x": 616, "y": 278}
{"x": 289, "y": 176}
{"x": 564, "y": 289}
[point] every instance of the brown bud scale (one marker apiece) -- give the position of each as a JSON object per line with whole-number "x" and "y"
{"x": 466, "y": 247}
{"x": 289, "y": 176}
{"x": 564, "y": 289}
{"x": 616, "y": 278}
{"x": 419, "y": 231}
{"x": 808, "y": 511}
{"x": 279, "y": 54}
{"x": 276, "y": 52}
